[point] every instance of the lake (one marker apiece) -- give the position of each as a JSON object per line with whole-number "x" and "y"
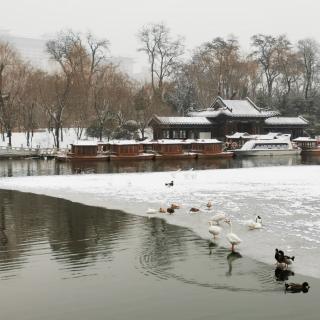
{"x": 30, "y": 167}
{"x": 63, "y": 260}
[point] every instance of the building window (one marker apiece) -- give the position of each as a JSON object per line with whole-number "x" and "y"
{"x": 165, "y": 134}
{"x": 179, "y": 134}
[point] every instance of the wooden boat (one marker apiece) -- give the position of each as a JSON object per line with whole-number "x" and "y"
{"x": 128, "y": 150}
{"x": 209, "y": 148}
{"x": 308, "y": 145}
{"x": 173, "y": 149}
{"x": 82, "y": 151}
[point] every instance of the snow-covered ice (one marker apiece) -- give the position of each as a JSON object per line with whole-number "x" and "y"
{"x": 287, "y": 199}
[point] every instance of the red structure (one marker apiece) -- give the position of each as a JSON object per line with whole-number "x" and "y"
{"x": 128, "y": 149}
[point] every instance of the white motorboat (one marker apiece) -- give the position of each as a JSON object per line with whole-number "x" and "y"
{"x": 279, "y": 146}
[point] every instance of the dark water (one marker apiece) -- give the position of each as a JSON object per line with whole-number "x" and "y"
{"x": 62, "y": 260}
{"x": 30, "y": 167}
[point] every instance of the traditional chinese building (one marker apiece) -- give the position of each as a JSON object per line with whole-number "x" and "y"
{"x": 225, "y": 117}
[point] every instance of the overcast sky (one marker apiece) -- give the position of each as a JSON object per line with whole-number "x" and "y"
{"x": 197, "y": 20}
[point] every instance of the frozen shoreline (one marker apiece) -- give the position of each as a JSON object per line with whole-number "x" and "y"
{"x": 287, "y": 198}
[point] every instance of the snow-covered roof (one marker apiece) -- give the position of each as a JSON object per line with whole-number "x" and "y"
{"x": 185, "y": 141}
{"x": 304, "y": 139}
{"x": 124, "y": 142}
{"x": 206, "y": 141}
{"x": 270, "y": 135}
{"x": 85, "y": 143}
{"x": 234, "y": 108}
{"x": 245, "y": 135}
{"x": 274, "y": 121}
{"x": 172, "y": 141}
{"x": 182, "y": 120}
{"x": 238, "y": 135}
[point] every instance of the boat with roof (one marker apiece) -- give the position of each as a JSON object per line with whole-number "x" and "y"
{"x": 308, "y": 145}
{"x": 278, "y": 146}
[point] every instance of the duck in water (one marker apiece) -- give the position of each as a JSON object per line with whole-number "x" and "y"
{"x": 296, "y": 287}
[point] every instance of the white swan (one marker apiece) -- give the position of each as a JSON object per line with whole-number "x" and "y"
{"x": 218, "y": 217}
{"x": 255, "y": 224}
{"x": 214, "y": 230}
{"x": 232, "y": 237}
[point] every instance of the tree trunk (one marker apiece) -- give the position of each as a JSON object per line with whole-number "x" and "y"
{"x": 100, "y": 133}
{"x": 9, "y": 136}
{"x": 57, "y": 129}
{"x": 28, "y": 138}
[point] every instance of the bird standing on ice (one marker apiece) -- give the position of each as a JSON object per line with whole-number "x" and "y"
{"x": 255, "y": 224}
{"x": 232, "y": 237}
{"x": 169, "y": 184}
{"x": 218, "y": 217}
{"x": 214, "y": 230}
{"x": 209, "y": 205}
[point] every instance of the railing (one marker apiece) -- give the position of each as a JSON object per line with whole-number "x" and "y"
{"x": 14, "y": 151}
{"x": 22, "y": 151}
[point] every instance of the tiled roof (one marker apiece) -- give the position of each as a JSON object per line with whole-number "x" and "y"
{"x": 210, "y": 113}
{"x": 274, "y": 121}
{"x": 85, "y": 143}
{"x": 234, "y": 108}
{"x": 183, "y": 120}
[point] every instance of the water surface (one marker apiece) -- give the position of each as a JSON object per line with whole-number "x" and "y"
{"x": 31, "y": 167}
{"x": 63, "y": 260}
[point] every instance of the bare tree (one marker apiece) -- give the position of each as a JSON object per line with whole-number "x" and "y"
{"x": 144, "y": 108}
{"x": 267, "y": 50}
{"x": 67, "y": 52}
{"x": 12, "y": 81}
{"x": 30, "y": 107}
{"x": 163, "y": 53}
{"x": 309, "y": 51}
{"x": 92, "y": 61}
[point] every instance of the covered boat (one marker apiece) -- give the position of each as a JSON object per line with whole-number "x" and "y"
{"x": 279, "y": 146}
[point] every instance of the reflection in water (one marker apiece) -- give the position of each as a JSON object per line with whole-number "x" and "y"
{"x": 125, "y": 264}
{"x": 61, "y": 229}
{"x": 212, "y": 247}
{"x": 231, "y": 258}
{"x": 3, "y": 236}
{"x": 30, "y": 167}
{"x": 283, "y": 275}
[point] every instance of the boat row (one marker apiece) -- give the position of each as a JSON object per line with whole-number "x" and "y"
{"x": 145, "y": 150}
{"x": 272, "y": 144}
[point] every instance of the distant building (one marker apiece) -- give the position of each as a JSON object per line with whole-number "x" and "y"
{"x": 225, "y": 117}
{"x": 31, "y": 50}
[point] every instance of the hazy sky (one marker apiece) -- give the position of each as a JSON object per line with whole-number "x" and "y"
{"x": 197, "y": 20}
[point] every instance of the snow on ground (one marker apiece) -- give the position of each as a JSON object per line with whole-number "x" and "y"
{"x": 43, "y": 138}
{"x": 287, "y": 199}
